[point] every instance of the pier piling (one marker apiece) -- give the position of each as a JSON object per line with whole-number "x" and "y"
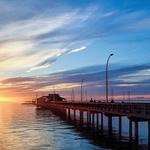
{"x": 69, "y": 116}
{"x": 74, "y": 114}
{"x": 109, "y": 124}
{"x": 97, "y": 121}
{"x": 130, "y": 130}
{"x": 93, "y": 120}
{"x": 136, "y": 128}
{"x": 120, "y": 127}
{"x": 149, "y": 134}
{"x": 101, "y": 122}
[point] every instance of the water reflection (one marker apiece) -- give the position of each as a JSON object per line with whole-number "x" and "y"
{"x": 21, "y": 127}
{"x": 113, "y": 140}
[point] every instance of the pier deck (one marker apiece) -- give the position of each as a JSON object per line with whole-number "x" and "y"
{"x": 132, "y": 110}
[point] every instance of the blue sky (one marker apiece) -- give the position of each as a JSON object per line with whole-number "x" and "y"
{"x": 39, "y": 38}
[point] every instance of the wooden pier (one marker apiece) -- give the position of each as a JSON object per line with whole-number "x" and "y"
{"x": 91, "y": 115}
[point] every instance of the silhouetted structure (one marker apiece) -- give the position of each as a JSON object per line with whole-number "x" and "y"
{"x": 45, "y": 100}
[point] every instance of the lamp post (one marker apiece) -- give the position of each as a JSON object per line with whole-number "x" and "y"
{"x": 107, "y": 76}
{"x": 72, "y": 96}
{"x": 81, "y": 90}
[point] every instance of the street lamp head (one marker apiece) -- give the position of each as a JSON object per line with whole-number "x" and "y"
{"x": 111, "y": 54}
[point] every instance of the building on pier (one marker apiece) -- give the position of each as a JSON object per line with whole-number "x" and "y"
{"x": 49, "y": 98}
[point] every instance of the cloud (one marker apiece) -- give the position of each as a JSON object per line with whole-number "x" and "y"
{"x": 52, "y": 56}
{"x": 60, "y": 86}
{"x": 78, "y": 49}
{"x": 34, "y": 38}
{"x": 25, "y": 37}
{"x": 94, "y": 81}
{"x": 39, "y": 67}
{"x": 142, "y": 24}
{"x": 31, "y": 28}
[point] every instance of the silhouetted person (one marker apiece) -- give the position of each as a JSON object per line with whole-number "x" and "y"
{"x": 112, "y": 101}
{"x": 91, "y": 100}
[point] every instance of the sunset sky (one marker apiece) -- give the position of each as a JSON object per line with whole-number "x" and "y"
{"x": 47, "y": 44}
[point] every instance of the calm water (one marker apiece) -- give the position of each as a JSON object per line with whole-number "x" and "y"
{"x": 22, "y": 127}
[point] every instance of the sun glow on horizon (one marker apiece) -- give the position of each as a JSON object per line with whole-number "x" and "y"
{"x": 5, "y": 99}
{"x": 11, "y": 99}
